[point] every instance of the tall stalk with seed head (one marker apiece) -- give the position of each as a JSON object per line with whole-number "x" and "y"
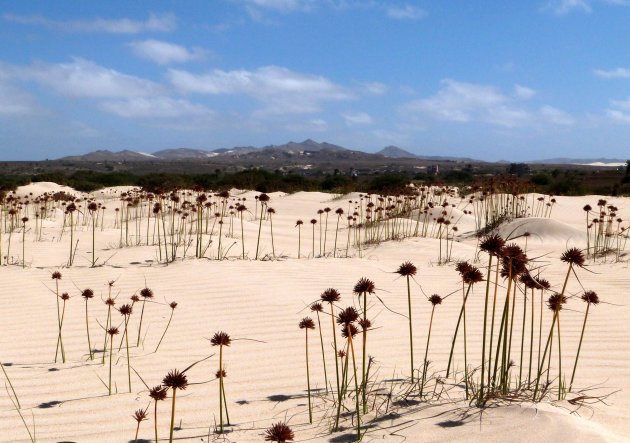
{"x": 408, "y": 270}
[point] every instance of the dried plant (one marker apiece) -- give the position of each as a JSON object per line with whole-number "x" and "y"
{"x": 307, "y": 323}
{"x": 434, "y": 300}
{"x": 263, "y": 199}
{"x": 111, "y": 332}
{"x": 332, "y": 296}
{"x": 157, "y": 394}
{"x": 139, "y": 416}
{"x": 590, "y": 298}
{"x": 317, "y": 308}
{"x": 221, "y": 339}
{"x": 146, "y": 294}
{"x": 172, "y": 305}
{"x": 57, "y": 276}
{"x": 174, "y": 380}
{"x": 126, "y": 311}
{"x": 88, "y": 294}
{"x": 299, "y": 224}
{"x": 280, "y": 433}
{"x": 408, "y": 270}
{"x": 363, "y": 287}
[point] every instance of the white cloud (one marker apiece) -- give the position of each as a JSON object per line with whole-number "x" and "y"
{"x": 375, "y": 88}
{"x": 556, "y": 116}
{"x": 563, "y": 7}
{"x": 613, "y": 73}
{"x": 313, "y": 125}
{"x": 165, "y": 53}
{"x": 282, "y": 5}
{"x": 461, "y": 102}
{"x": 523, "y": 92}
{"x": 357, "y": 118}
{"x": 84, "y": 78}
{"x": 281, "y": 90}
{"x": 154, "y": 107}
{"x": 619, "y": 110}
{"x": 405, "y": 12}
{"x": 154, "y": 23}
{"x": 468, "y": 102}
{"x": 14, "y": 102}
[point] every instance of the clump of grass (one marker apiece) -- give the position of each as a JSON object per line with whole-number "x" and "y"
{"x": 174, "y": 380}
{"x": 279, "y": 433}
{"x": 221, "y": 339}
{"x": 88, "y": 294}
{"x": 307, "y": 323}
{"x": 139, "y": 416}
{"x": 408, "y": 270}
{"x": 172, "y": 305}
{"x": 157, "y": 393}
{"x": 590, "y": 298}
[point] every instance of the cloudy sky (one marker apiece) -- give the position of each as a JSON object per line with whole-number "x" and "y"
{"x": 513, "y": 80}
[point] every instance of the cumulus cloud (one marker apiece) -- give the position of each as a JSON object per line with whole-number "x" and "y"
{"x": 165, "y": 53}
{"x": 463, "y": 102}
{"x": 84, "y": 78}
{"x": 282, "y": 5}
{"x": 154, "y": 107}
{"x": 281, "y": 90}
{"x": 374, "y": 88}
{"x": 613, "y": 73}
{"x": 556, "y": 116}
{"x": 523, "y": 92}
{"x": 154, "y": 23}
{"x": 357, "y": 118}
{"x": 15, "y": 102}
{"x": 619, "y": 111}
{"x": 405, "y": 12}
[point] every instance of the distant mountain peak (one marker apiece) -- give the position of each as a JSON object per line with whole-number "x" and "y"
{"x": 395, "y": 152}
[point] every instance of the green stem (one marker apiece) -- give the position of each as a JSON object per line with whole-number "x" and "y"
{"x": 579, "y": 346}
{"x": 170, "y": 438}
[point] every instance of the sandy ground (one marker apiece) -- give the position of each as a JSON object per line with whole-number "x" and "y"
{"x": 259, "y": 303}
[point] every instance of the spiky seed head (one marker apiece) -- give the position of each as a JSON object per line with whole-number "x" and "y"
{"x": 313, "y": 221}
{"x": 175, "y": 380}
{"x": 574, "y": 256}
{"x": 140, "y": 415}
{"x": 349, "y": 330}
{"x": 317, "y": 307}
{"x": 220, "y": 373}
{"x": 112, "y": 331}
{"x": 407, "y": 269}
{"x": 271, "y": 211}
{"x": 65, "y": 296}
{"x": 339, "y": 211}
{"x": 146, "y": 293}
{"x": 347, "y": 316}
{"x": 220, "y": 339}
{"x": 135, "y": 298}
{"x": 327, "y": 209}
{"x": 543, "y": 283}
{"x": 341, "y": 353}
{"x": 492, "y": 244}
{"x": 590, "y": 297}
{"x": 472, "y": 276}
{"x": 158, "y": 393}
{"x": 125, "y": 309}
{"x": 330, "y": 295}
{"x": 365, "y": 324}
{"x": 92, "y": 207}
{"x": 110, "y": 301}
{"x": 56, "y": 275}
{"x": 307, "y": 323}
{"x": 528, "y": 281}
{"x": 364, "y": 285}
{"x": 462, "y": 267}
{"x": 435, "y": 299}
{"x": 87, "y": 294}
{"x": 587, "y": 208}
{"x": 263, "y": 198}
{"x": 556, "y": 301}
{"x": 279, "y": 432}
{"x": 299, "y": 222}
{"x": 173, "y": 304}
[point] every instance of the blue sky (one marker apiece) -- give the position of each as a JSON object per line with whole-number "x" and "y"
{"x": 513, "y": 80}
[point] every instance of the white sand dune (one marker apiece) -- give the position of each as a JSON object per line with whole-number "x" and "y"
{"x": 259, "y": 303}
{"x": 544, "y": 230}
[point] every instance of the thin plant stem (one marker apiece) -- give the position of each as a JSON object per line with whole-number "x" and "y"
{"x": 577, "y": 356}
